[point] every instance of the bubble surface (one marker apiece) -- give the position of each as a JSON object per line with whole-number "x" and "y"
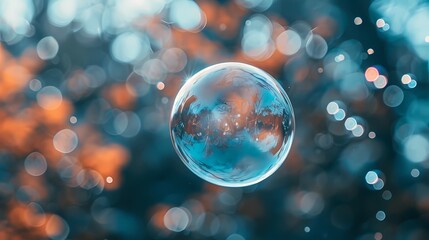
{"x": 232, "y": 124}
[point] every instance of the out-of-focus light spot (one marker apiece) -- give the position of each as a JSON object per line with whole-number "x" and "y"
{"x": 176, "y": 219}
{"x": 153, "y": 71}
{"x": 258, "y": 5}
{"x": 412, "y": 84}
{"x": 380, "y": 23}
{"x": 49, "y": 98}
{"x": 371, "y": 177}
{"x": 386, "y": 27}
{"x": 175, "y": 59}
{"x": 35, "y": 85}
{"x": 339, "y": 58}
{"x": 186, "y": 15}
{"x": 340, "y": 115}
{"x": 34, "y": 215}
{"x": 371, "y": 74}
{"x": 164, "y": 100}
{"x": 88, "y": 179}
{"x": 160, "y": 86}
{"x": 288, "y": 42}
{"x": 109, "y": 179}
{"x": 370, "y": 51}
{"x": 35, "y": 164}
{"x": 415, "y": 172}
{"x": 316, "y": 47}
{"x": 393, "y": 96}
{"x": 350, "y": 123}
{"x": 62, "y": 12}
{"x": 358, "y": 21}
{"x": 65, "y": 141}
{"x": 406, "y": 79}
{"x": 416, "y": 148}
{"x": 307, "y": 229}
{"x": 235, "y": 236}
{"x": 47, "y": 48}
{"x": 129, "y": 47}
{"x": 256, "y": 42}
{"x": 73, "y": 120}
{"x": 427, "y": 39}
{"x": 380, "y": 82}
{"x": 371, "y": 135}
{"x": 358, "y": 131}
{"x": 57, "y": 228}
{"x": 387, "y": 195}
{"x": 380, "y": 215}
{"x": 17, "y": 15}
{"x": 379, "y": 184}
{"x": 332, "y": 108}
{"x": 378, "y": 236}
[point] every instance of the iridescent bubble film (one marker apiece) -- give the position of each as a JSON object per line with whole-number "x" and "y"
{"x": 86, "y": 94}
{"x": 232, "y": 124}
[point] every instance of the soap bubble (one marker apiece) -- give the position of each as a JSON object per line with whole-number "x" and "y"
{"x": 232, "y": 124}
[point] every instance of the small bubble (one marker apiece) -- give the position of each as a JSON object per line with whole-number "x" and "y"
{"x": 380, "y": 23}
{"x": 370, "y": 51}
{"x": 372, "y": 135}
{"x": 35, "y": 164}
{"x": 176, "y": 219}
{"x": 73, "y": 119}
{"x": 65, "y": 141}
{"x": 109, "y": 179}
{"x": 380, "y": 216}
{"x": 47, "y": 48}
{"x": 378, "y": 236}
{"x": 358, "y": 21}
{"x": 387, "y": 195}
{"x": 320, "y": 70}
{"x": 49, "y": 98}
{"x": 35, "y": 85}
{"x": 371, "y": 177}
{"x": 415, "y": 172}
{"x": 160, "y": 86}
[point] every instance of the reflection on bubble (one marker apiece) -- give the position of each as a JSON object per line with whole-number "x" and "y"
{"x": 65, "y": 141}
{"x": 49, "y": 98}
{"x": 35, "y": 164}
{"x": 232, "y": 124}
{"x": 176, "y": 219}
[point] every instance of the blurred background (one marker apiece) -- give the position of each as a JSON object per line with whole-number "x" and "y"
{"x": 86, "y": 88}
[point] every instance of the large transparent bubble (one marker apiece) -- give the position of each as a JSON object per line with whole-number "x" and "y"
{"x": 232, "y": 124}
